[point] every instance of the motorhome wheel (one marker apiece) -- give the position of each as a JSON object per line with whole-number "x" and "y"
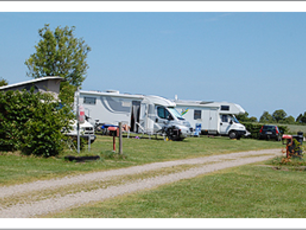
{"x": 233, "y": 135}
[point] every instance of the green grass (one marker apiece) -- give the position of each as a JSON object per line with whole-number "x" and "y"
{"x": 294, "y": 129}
{"x": 243, "y": 192}
{"x": 15, "y": 169}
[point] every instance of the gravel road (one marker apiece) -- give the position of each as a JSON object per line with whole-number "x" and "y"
{"x": 35, "y": 208}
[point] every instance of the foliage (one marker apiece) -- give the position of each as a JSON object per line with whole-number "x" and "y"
{"x": 31, "y": 123}
{"x": 289, "y": 120}
{"x": 244, "y": 118}
{"x": 266, "y": 118}
{"x": 279, "y": 115}
{"x": 301, "y": 118}
{"x": 60, "y": 53}
{"x": 3, "y": 82}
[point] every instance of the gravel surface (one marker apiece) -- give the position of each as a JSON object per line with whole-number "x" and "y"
{"x": 42, "y": 207}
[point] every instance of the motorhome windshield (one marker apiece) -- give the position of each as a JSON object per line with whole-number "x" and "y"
{"x": 235, "y": 119}
{"x": 175, "y": 113}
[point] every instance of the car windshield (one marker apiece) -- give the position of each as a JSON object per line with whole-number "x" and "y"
{"x": 175, "y": 113}
{"x": 268, "y": 127}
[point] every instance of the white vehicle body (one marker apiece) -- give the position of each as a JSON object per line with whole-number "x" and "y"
{"x": 214, "y": 117}
{"x": 143, "y": 114}
{"x": 86, "y": 130}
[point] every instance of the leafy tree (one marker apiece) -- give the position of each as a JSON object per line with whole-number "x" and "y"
{"x": 289, "y": 120}
{"x": 299, "y": 118}
{"x": 253, "y": 119}
{"x": 303, "y": 118}
{"x": 3, "y": 82}
{"x": 279, "y": 115}
{"x": 266, "y": 118}
{"x": 244, "y": 118}
{"x": 60, "y": 53}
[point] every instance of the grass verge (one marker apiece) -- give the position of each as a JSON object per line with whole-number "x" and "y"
{"x": 244, "y": 192}
{"x": 15, "y": 169}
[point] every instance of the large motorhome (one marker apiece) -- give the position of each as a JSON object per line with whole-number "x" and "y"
{"x": 216, "y": 118}
{"x": 143, "y": 114}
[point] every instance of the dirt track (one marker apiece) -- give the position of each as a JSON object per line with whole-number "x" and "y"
{"x": 35, "y": 207}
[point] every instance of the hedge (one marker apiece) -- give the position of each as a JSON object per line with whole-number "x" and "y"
{"x": 32, "y": 123}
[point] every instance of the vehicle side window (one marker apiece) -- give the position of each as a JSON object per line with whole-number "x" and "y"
{"x": 163, "y": 113}
{"x": 197, "y": 114}
{"x": 89, "y": 100}
{"x": 224, "y": 118}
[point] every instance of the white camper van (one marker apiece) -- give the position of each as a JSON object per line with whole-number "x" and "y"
{"x": 217, "y": 118}
{"x": 143, "y": 114}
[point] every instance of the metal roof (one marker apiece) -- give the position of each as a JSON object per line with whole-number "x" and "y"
{"x": 31, "y": 81}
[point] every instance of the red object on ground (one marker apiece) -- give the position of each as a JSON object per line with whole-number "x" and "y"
{"x": 113, "y": 129}
{"x": 285, "y": 136}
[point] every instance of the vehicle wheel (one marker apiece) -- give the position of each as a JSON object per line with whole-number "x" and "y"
{"x": 233, "y": 135}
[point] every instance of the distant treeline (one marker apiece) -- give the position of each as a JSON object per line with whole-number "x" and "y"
{"x": 279, "y": 116}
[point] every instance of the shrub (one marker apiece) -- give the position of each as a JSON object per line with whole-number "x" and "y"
{"x": 30, "y": 122}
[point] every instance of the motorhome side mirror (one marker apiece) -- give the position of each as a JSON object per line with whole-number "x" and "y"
{"x": 231, "y": 122}
{"x": 156, "y": 120}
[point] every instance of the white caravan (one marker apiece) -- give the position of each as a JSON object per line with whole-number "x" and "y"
{"x": 214, "y": 117}
{"x": 143, "y": 114}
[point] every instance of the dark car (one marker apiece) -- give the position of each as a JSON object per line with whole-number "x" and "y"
{"x": 270, "y": 132}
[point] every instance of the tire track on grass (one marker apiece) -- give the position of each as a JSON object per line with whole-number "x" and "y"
{"x": 14, "y": 190}
{"x": 73, "y": 200}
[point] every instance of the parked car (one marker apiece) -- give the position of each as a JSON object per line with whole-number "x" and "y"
{"x": 268, "y": 132}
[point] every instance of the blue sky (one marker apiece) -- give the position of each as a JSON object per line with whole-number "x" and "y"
{"x": 254, "y": 59}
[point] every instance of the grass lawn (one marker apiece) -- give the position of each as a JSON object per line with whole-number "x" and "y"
{"x": 15, "y": 168}
{"x": 244, "y": 192}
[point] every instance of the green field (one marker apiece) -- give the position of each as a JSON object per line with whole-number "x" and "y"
{"x": 15, "y": 168}
{"x": 251, "y": 191}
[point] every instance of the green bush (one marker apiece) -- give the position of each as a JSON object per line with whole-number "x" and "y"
{"x": 32, "y": 123}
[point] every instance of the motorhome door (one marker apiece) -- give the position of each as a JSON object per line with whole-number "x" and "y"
{"x": 224, "y": 123}
{"x": 135, "y": 116}
{"x": 213, "y": 121}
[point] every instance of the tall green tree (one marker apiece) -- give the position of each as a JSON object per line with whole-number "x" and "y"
{"x": 266, "y": 118}
{"x": 299, "y": 118}
{"x": 289, "y": 120}
{"x": 279, "y": 115}
{"x": 244, "y": 118}
{"x": 3, "y": 82}
{"x": 60, "y": 53}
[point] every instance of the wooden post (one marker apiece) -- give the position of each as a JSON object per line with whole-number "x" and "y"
{"x": 120, "y": 138}
{"x": 114, "y": 141}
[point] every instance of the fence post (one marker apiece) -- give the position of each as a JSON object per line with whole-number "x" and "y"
{"x": 120, "y": 138}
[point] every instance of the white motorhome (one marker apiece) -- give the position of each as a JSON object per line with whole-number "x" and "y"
{"x": 217, "y": 118}
{"x": 143, "y": 114}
